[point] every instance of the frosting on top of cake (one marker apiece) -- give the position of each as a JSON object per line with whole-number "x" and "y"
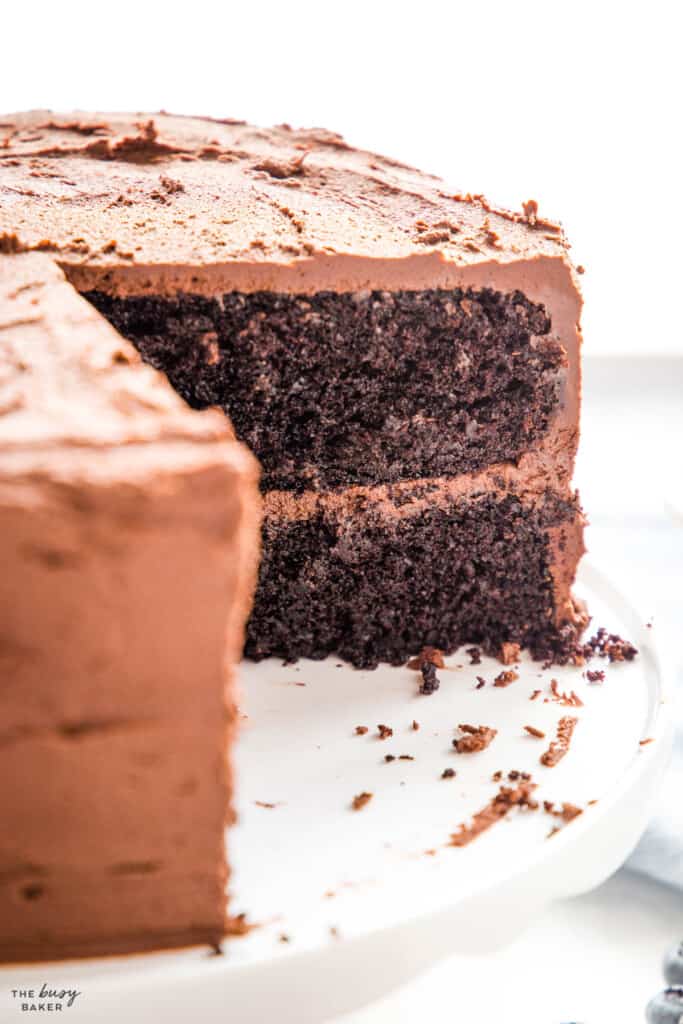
{"x": 116, "y": 196}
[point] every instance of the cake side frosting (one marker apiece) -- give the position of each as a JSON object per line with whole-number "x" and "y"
{"x": 68, "y": 378}
{"x": 118, "y": 654}
{"x": 118, "y": 715}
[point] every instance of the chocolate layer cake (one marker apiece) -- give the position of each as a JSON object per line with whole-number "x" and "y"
{"x": 403, "y": 361}
{"x": 128, "y": 545}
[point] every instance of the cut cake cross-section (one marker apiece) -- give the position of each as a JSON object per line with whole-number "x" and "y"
{"x": 404, "y": 361}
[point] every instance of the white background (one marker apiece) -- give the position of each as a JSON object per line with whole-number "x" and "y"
{"x": 575, "y": 104}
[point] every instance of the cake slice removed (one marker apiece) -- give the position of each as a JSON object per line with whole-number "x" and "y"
{"x": 129, "y": 546}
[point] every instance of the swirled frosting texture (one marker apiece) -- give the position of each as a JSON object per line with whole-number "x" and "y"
{"x": 113, "y": 195}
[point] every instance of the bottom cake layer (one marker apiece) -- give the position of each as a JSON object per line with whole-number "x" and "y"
{"x": 373, "y": 577}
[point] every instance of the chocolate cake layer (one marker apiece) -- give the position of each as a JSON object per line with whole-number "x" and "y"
{"x": 116, "y": 654}
{"x": 375, "y": 574}
{"x": 336, "y": 389}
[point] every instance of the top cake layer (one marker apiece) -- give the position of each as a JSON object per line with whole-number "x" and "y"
{"x": 263, "y": 271}
{"x": 141, "y": 204}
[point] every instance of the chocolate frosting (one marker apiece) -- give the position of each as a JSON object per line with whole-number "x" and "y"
{"x": 138, "y": 203}
{"x": 67, "y": 377}
{"x": 116, "y": 653}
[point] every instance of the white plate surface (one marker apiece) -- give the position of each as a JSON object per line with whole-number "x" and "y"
{"x": 350, "y": 903}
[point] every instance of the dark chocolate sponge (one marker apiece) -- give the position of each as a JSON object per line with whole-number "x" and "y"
{"x": 336, "y": 389}
{"x": 373, "y": 588}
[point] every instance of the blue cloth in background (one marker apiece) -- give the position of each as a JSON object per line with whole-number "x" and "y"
{"x": 659, "y": 854}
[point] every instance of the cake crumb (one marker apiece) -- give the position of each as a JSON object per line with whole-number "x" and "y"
{"x": 533, "y": 731}
{"x": 237, "y": 924}
{"x": 361, "y": 800}
{"x": 569, "y": 650}
{"x": 505, "y": 678}
{"x": 430, "y": 680}
{"x": 595, "y": 675}
{"x": 475, "y": 655}
{"x": 498, "y": 808}
{"x": 530, "y": 208}
{"x": 361, "y": 730}
{"x": 384, "y": 732}
{"x": 509, "y": 653}
{"x": 535, "y": 694}
{"x": 448, "y": 773}
{"x": 644, "y": 743}
{"x": 415, "y": 726}
{"x": 567, "y": 812}
{"x": 389, "y": 758}
{"x": 428, "y": 654}
{"x": 480, "y": 682}
{"x": 476, "y": 738}
{"x": 569, "y": 700}
{"x": 560, "y": 745}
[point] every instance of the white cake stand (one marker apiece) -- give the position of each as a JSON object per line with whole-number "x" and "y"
{"x": 350, "y": 904}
